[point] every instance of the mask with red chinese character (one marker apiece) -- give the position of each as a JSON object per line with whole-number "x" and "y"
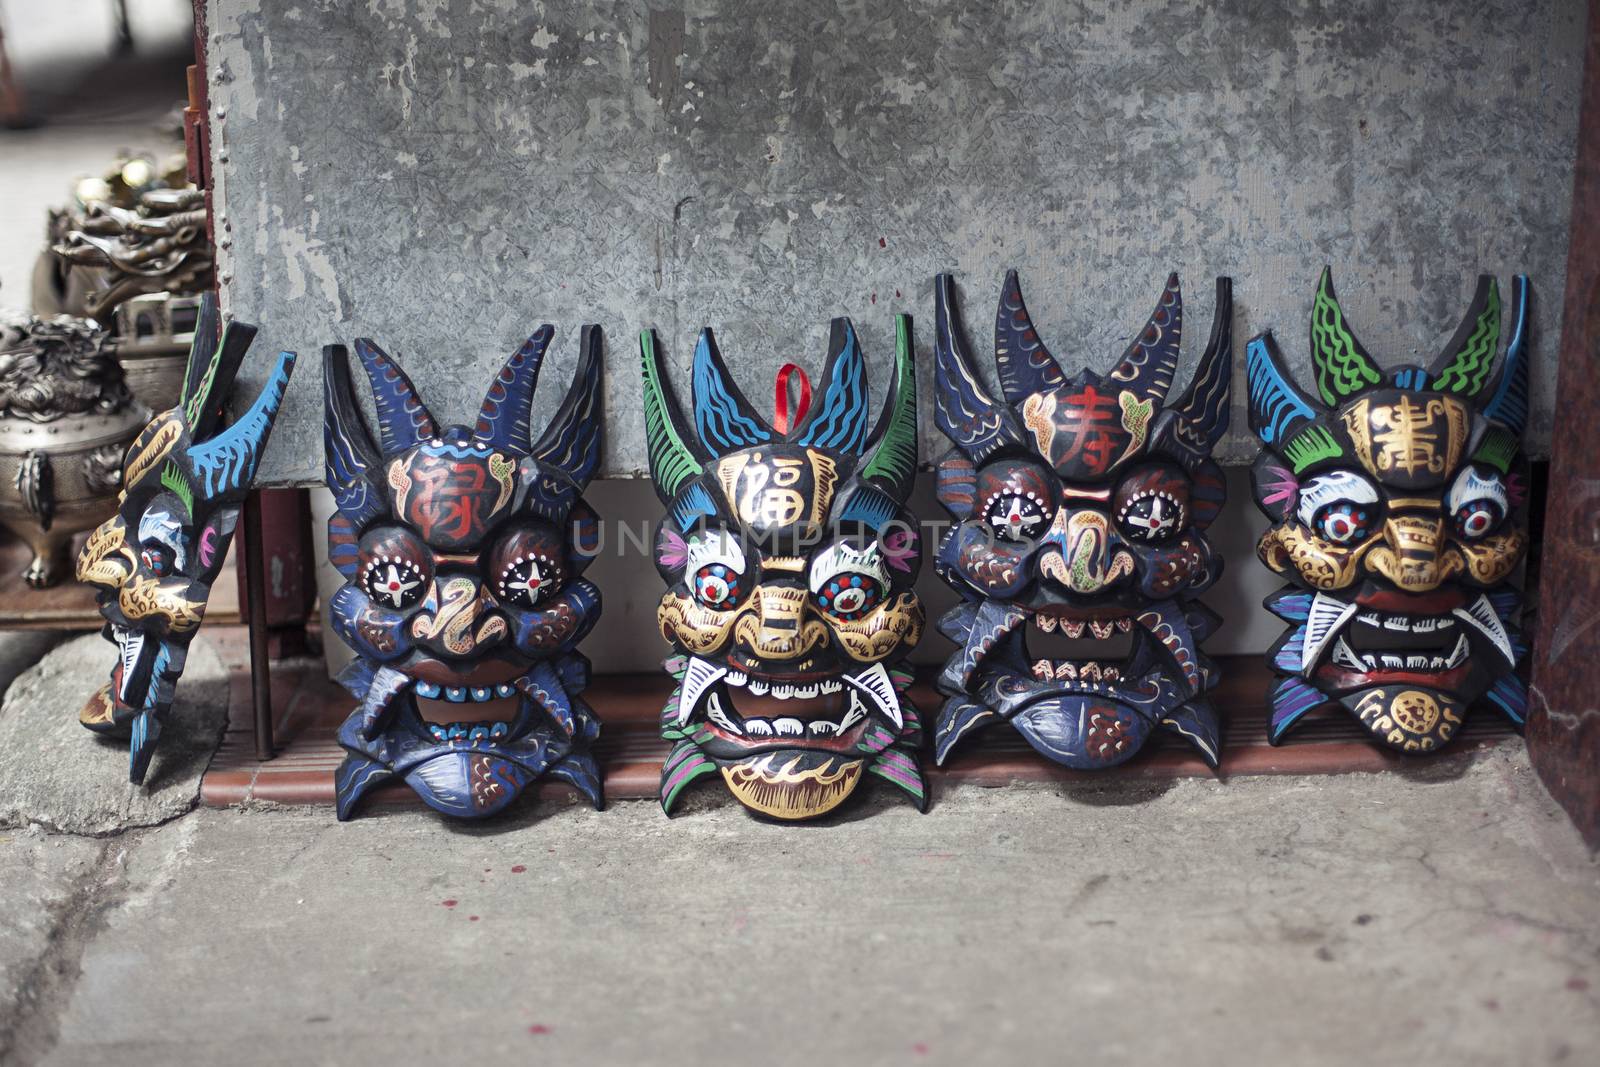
{"x": 462, "y": 549}
{"x": 1081, "y": 506}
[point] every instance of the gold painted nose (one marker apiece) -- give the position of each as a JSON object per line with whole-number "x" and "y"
{"x": 778, "y": 629}
{"x": 1409, "y": 554}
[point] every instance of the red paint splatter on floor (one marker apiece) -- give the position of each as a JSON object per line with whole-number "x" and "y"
{"x": 882, "y": 243}
{"x": 1577, "y": 985}
{"x": 538, "y": 1028}
{"x": 449, "y": 903}
{"x": 874, "y": 298}
{"x": 472, "y": 918}
{"x": 920, "y": 1048}
{"x": 897, "y": 294}
{"x": 518, "y": 869}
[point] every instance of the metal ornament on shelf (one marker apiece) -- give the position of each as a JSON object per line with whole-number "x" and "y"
{"x": 1081, "y": 508}
{"x": 790, "y": 560}
{"x": 462, "y": 551}
{"x": 1396, "y": 499}
{"x": 66, "y": 418}
{"x": 155, "y": 560}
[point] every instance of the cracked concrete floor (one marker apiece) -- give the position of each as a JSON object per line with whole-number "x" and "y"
{"x": 1447, "y": 916}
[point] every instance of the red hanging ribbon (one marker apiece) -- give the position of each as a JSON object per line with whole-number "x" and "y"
{"x": 781, "y": 419}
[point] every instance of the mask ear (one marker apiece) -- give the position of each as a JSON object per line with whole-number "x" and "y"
{"x": 1342, "y": 365}
{"x": 1507, "y": 409}
{"x": 571, "y": 443}
{"x": 351, "y": 460}
{"x": 1192, "y": 428}
{"x": 1274, "y": 485}
{"x": 673, "y": 461}
{"x": 1463, "y": 366}
{"x": 963, "y": 409}
{"x": 226, "y": 464}
{"x": 1278, "y": 407}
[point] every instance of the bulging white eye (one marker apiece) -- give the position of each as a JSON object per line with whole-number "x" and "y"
{"x": 1478, "y": 503}
{"x": 706, "y": 547}
{"x": 840, "y": 558}
{"x": 1334, "y": 487}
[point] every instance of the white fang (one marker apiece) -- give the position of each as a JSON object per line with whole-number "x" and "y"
{"x": 701, "y": 675}
{"x": 875, "y": 683}
{"x": 1325, "y": 619}
{"x": 1481, "y": 615}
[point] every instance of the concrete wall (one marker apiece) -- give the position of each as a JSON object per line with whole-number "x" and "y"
{"x": 443, "y": 175}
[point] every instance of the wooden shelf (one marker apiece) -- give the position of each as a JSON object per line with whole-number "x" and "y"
{"x": 308, "y": 709}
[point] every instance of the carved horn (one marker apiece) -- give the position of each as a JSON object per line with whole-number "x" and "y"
{"x": 1025, "y": 364}
{"x": 226, "y": 464}
{"x": 212, "y": 367}
{"x": 1463, "y": 366}
{"x": 1200, "y": 418}
{"x": 672, "y": 460}
{"x": 724, "y": 420}
{"x": 963, "y": 409}
{"x": 571, "y": 443}
{"x": 403, "y": 421}
{"x": 1343, "y": 367}
{"x": 347, "y": 445}
{"x": 893, "y": 465}
{"x": 837, "y": 419}
{"x": 1277, "y": 405}
{"x": 1148, "y": 365}
{"x": 503, "y": 419}
{"x": 1509, "y": 404}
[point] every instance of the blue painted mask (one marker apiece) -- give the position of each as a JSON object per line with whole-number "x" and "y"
{"x": 1081, "y": 507}
{"x": 462, "y": 550}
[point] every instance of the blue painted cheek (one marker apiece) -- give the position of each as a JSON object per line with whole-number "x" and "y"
{"x": 990, "y": 567}
{"x": 371, "y": 631}
{"x": 559, "y": 625}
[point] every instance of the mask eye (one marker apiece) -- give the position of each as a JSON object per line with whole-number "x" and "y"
{"x": 1015, "y": 516}
{"x": 849, "y": 595}
{"x": 156, "y": 558}
{"x": 717, "y": 585}
{"x": 393, "y": 581}
{"x": 1478, "y": 504}
{"x": 528, "y": 580}
{"x": 1340, "y": 506}
{"x": 527, "y": 566}
{"x": 1151, "y": 516}
{"x": 1344, "y": 521}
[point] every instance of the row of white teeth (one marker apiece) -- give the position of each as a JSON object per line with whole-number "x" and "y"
{"x": 1412, "y": 624}
{"x": 1344, "y": 655}
{"x": 785, "y": 726}
{"x": 783, "y": 691}
{"x": 1101, "y": 628}
{"x": 1067, "y": 671}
